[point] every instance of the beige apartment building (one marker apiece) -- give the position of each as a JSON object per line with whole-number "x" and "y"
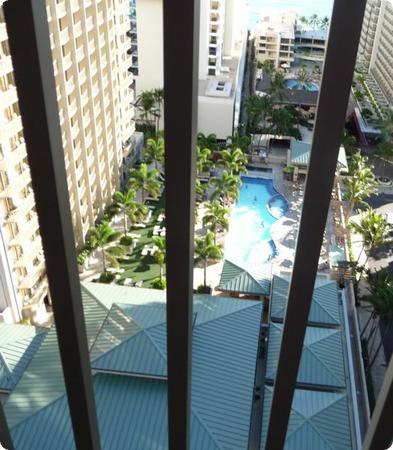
{"x": 381, "y": 62}
{"x": 275, "y": 38}
{"x": 95, "y": 94}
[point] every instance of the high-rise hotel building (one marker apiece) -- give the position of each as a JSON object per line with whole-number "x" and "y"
{"x": 95, "y": 93}
{"x": 376, "y": 44}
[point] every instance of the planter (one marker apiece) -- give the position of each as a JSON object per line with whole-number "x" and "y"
{"x": 204, "y": 289}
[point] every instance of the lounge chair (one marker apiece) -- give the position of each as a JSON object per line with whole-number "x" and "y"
{"x": 139, "y": 283}
{"x": 127, "y": 281}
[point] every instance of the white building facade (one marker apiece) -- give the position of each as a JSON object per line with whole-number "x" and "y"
{"x": 222, "y": 48}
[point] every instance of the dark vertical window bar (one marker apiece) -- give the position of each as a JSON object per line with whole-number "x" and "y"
{"x": 5, "y": 436}
{"x": 380, "y": 431}
{"x": 337, "y": 76}
{"x": 181, "y": 35}
{"x": 27, "y": 27}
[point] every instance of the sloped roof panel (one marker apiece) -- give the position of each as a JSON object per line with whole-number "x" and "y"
{"x": 136, "y": 355}
{"x": 236, "y": 279}
{"x": 322, "y": 360}
{"x": 116, "y": 328}
{"x": 41, "y": 383}
{"x": 224, "y": 358}
{"x": 324, "y": 307}
{"x": 132, "y": 415}
{"x": 108, "y": 294}
{"x": 318, "y": 420}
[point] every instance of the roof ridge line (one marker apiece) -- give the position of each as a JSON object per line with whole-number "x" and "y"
{"x": 84, "y": 288}
{"x": 114, "y": 305}
{"x": 114, "y": 348}
{"x": 318, "y": 358}
{"x": 203, "y": 424}
{"x": 322, "y": 306}
{"x": 231, "y": 313}
{"x": 164, "y": 357}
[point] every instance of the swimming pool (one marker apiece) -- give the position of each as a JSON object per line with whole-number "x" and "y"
{"x": 297, "y": 86}
{"x": 249, "y": 242}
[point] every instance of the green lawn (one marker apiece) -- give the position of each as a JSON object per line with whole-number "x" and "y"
{"x": 140, "y": 267}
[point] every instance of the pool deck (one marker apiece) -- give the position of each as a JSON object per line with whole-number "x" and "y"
{"x": 283, "y": 231}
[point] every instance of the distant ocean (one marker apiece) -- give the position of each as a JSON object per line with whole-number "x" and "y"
{"x": 303, "y": 7}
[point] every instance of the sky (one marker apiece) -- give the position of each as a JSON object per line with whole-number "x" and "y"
{"x": 303, "y": 7}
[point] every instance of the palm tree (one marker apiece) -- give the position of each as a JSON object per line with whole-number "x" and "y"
{"x": 385, "y": 154}
{"x": 145, "y": 180}
{"x": 303, "y": 78}
{"x": 239, "y": 140}
{"x": 386, "y": 126}
{"x": 203, "y": 161}
{"x": 207, "y": 141}
{"x": 234, "y": 161}
{"x": 313, "y": 20}
{"x": 277, "y": 86}
{"x": 284, "y": 121}
{"x": 373, "y": 229}
{"x": 145, "y": 103}
{"x": 258, "y": 108}
{"x": 216, "y": 218}
{"x": 159, "y": 100}
{"x": 100, "y": 237}
{"x": 266, "y": 66}
{"x": 303, "y": 20}
{"x": 200, "y": 189}
{"x": 349, "y": 142}
{"x": 160, "y": 254}
{"x": 226, "y": 186}
{"x": 123, "y": 202}
{"x": 380, "y": 287}
{"x": 360, "y": 183}
{"x": 205, "y": 250}
{"x": 137, "y": 212}
{"x": 357, "y": 190}
{"x": 154, "y": 151}
{"x": 324, "y": 23}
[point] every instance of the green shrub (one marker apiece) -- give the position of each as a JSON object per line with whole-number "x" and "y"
{"x": 82, "y": 255}
{"x": 159, "y": 284}
{"x": 201, "y": 289}
{"x": 126, "y": 240}
{"x": 288, "y": 169}
{"x": 106, "y": 277}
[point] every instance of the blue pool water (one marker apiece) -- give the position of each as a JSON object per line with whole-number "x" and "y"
{"x": 248, "y": 242}
{"x": 294, "y": 84}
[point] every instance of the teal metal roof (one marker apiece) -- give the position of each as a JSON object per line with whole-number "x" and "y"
{"x": 116, "y": 327}
{"x": 322, "y": 361}
{"x": 42, "y": 380}
{"x": 131, "y": 340}
{"x": 41, "y": 383}
{"x": 238, "y": 280}
{"x": 141, "y": 405}
{"x": 300, "y": 154}
{"x": 318, "y": 421}
{"x": 108, "y": 294}
{"x": 324, "y": 307}
{"x": 18, "y": 344}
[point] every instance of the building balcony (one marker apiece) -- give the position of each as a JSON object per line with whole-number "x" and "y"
{"x": 26, "y": 233}
{"x": 12, "y": 128}
{"x": 26, "y": 205}
{"x": 60, "y": 10}
{"x": 13, "y": 158}
{"x": 5, "y": 65}
{"x": 34, "y": 274}
{"x": 3, "y": 32}
{"x": 64, "y": 36}
{"x": 9, "y": 97}
{"x": 34, "y": 250}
